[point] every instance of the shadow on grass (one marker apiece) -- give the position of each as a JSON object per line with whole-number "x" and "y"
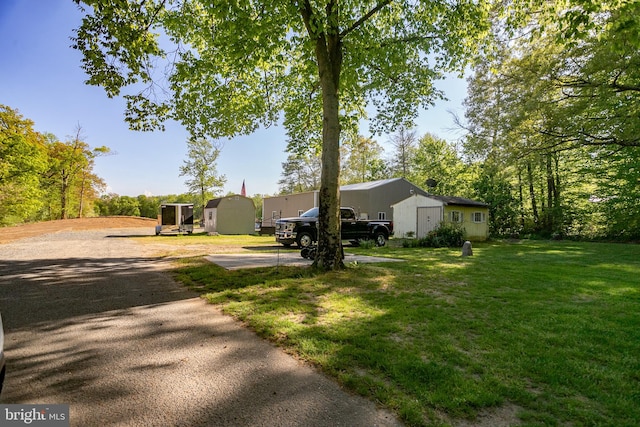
{"x": 550, "y": 327}
{"x": 201, "y": 275}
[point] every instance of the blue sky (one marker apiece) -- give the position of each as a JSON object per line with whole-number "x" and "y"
{"x": 40, "y": 75}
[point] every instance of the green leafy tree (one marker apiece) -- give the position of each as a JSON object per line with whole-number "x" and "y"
{"x": 581, "y": 65}
{"x": 90, "y": 188}
{"x": 616, "y": 196}
{"x": 436, "y": 159}
{"x": 106, "y": 204}
{"x": 114, "y": 204}
{"x": 545, "y": 107}
{"x": 494, "y": 187}
{"x": 128, "y": 206}
{"x": 363, "y": 161}
{"x": 69, "y": 178}
{"x": 23, "y": 158}
{"x": 148, "y": 206}
{"x": 204, "y": 181}
{"x": 236, "y": 66}
{"x": 504, "y": 120}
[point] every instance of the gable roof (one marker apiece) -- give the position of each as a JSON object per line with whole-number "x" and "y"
{"x": 458, "y": 201}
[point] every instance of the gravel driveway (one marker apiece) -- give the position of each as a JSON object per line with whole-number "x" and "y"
{"x": 93, "y": 320}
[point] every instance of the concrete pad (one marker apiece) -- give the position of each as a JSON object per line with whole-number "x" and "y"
{"x": 273, "y": 259}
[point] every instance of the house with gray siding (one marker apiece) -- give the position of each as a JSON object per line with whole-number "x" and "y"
{"x": 371, "y": 200}
{"x": 287, "y": 206}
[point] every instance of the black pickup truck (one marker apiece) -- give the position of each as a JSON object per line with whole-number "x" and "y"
{"x": 303, "y": 230}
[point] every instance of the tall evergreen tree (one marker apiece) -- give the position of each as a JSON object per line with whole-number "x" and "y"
{"x": 300, "y": 172}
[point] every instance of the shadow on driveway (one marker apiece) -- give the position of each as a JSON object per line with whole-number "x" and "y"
{"x": 119, "y": 341}
{"x": 54, "y": 290}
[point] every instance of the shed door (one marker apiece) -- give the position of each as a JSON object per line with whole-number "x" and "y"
{"x": 428, "y": 219}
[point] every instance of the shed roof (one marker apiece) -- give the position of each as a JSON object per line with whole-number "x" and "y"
{"x": 459, "y": 201}
{"x": 368, "y": 185}
{"x": 213, "y": 203}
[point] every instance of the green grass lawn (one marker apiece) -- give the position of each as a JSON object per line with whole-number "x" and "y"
{"x": 528, "y": 333}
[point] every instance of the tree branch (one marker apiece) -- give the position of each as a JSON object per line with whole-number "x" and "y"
{"x": 586, "y": 138}
{"x": 306, "y": 12}
{"x": 584, "y": 83}
{"x": 365, "y": 18}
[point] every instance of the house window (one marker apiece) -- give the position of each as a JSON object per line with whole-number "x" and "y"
{"x": 382, "y": 216}
{"x": 455, "y": 216}
{"x": 479, "y": 217}
{"x": 300, "y": 212}
{"x": 210, "y": 215}
{"x": 274, "y": 214}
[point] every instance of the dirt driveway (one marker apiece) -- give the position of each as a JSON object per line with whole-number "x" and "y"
{"x": 93, "y": 320}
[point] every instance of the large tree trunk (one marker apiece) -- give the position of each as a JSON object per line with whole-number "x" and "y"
{"x": 82, "y": 189}
{"x": 521, "y": 199}
{"x": 64, "y": 189}
{"x": 551, "y": 192}
{"x": 328, "y": 51}
{"x": 532, "y": 195}
{"x": 329, "y": 242}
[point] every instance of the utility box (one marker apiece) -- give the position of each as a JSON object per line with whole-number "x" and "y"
{"x": 176, "y": 218}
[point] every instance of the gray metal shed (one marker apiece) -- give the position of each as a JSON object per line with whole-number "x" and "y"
{"x": 373, "y": 199}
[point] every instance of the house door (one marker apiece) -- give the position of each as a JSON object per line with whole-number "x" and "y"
{"x": 428, "y": 219}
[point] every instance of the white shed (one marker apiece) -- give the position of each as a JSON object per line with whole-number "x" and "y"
{"x": 417, "y": 215}
{"x": 407, "y": 212}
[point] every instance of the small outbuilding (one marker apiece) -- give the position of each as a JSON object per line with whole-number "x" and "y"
{"x": 417, "y": 215}
{"x": 233, "y": 214}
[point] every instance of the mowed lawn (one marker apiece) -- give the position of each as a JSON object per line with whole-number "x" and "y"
{"x": 522, "y": 333}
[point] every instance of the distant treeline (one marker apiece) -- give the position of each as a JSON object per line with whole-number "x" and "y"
{"x": 42, "y": 177}
{"x": 145, "y": 206}
{"x": 148, "y": 206}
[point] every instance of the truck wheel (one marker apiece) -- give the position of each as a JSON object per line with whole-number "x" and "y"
{"x": 304, "y": 239}
{"x": 380, "y": 238}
